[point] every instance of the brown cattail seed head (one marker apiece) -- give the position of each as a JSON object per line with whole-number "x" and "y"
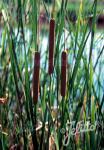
{"x": 51, "y": 46}
{"x": 36, "y": 77}
{"x": 63, "y": 72}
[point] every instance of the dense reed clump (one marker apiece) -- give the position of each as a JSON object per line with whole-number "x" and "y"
{"x": 71, "y": 93}
{"x": 36, "y": 77}
{"x": 51, "y": 46}
{"x": 63, "y": 73}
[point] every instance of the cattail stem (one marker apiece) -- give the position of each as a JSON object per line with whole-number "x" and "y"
{"x": 63, "y": 87}
{"x": 51, "y": 46}
{"x": 63, "y": 73}
{"x": 36, "y": 77}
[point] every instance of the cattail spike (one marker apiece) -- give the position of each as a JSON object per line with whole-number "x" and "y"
{"x": 36, "y": 77}
{"x": 51, "y": 46}
{"x": 63, "y": 73}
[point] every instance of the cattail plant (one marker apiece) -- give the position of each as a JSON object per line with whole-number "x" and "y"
{"x": 63, "y": 73}
{"x": 51, "y": 46}
{"x": 36, "y": 77}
